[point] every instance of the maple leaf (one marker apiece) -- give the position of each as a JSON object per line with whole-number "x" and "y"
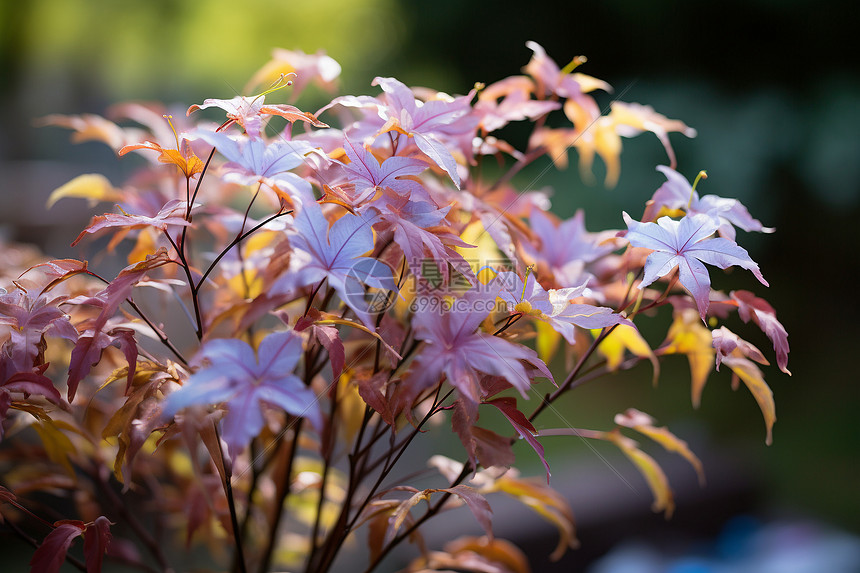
{"x": 90, "y": 344}
{"x": 483, "y": 446}
{"x": 231, "y": 374}
{"x": 726, "y": 342}
{"x": 430, "y": 124}
{"x": 685, "y": 245}
{"x": 567, "y": 247}
{"x": 335, "y": 254}
{"x": 248, "y": 112}
{"x": 328, "y": 336}
{"x": 253, "y": 160}
{"x": 30, "y": 321}
{"x": 88, "y": 352}
{"x": 677, "y": 193}
{"x": 421, "y": 232}
{"x": 601, "y": 135}
{"x": 650, "y": 470}
{"x": 738, "y": 354}
{"x": 31, "y": 382}
{"x": 751, "y": 307}
{"x": 554, "y": 306}
{"x": 91, "y": 127}
{"x": 91, "y": 186}
{"x": 515, "y": 105}
{"x": 172, "y": 213}
{"x": 183, "y": 157}
{"x": 687, "y": 335}
{"x": 369, "y": 175}
{"x": 318, "y": 68}
{"x": 507, "y": 405}
{"x": 622, "y": 339}
{"x": 551, "y": 79}
{"x": 540, "y": 497}
{"x": 455, "y": 347}
{"x": 644, "y": 424}
{"x": 468, "y": 553}
{"x": 97, "y": 538}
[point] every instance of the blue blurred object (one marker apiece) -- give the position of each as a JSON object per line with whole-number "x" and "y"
{"x": 746, "y": 546}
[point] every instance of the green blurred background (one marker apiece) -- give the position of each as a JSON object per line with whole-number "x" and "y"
{"x": 771, "y": 86}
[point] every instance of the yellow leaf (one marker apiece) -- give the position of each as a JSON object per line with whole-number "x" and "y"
{"x": 649, "y": 469}
{"x": 625, "y": 338}
{"x": 607, "y": 143}
{"x": 57, "y": 445}
{"x": 93, "y": 187}
{"x": 485, "y": 251}
{"x": 247, "y": 285}
{"x": 752, "y": 376}
{"x": 589, "y": 83}
{"x": 547, "y": 502}
{"x": 144, "y": 246}
{"x": 644, "y": 424}
{"x": 350, "y": 406}
{"x": 689, "y": 336}
{"x": 547, "y": 340}
{"x": 270, "y": 73}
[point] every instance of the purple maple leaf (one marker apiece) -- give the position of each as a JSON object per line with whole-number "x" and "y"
{"x": 368, "y": 175}
{"x": 554, "y": 306}
{"x": 234, "y": 376}
{"x": 454, "y": 346}
{"x": 412, "y": 221}
{"x": 30, "y": 320}
{"x": 685, "y": 244}
{"x": 172, "y": 213}
{"x": 677, "y": 193}
{"x": 430, "y": 124}
{"x": 253, "y": 160}
{"x": 567, "y": 247}
{"x": 336, "y": 255}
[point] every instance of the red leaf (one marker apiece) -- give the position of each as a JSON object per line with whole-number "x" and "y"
{"x": 124, "y": 337}
{"x": 96, "y": 541}
{"x": 508, "y": 407}
{"x": 477, "y": 503}
{"x": 6, "y": 495}
{"x": 51, "y": 554}
{"x": 329, "y": 337}
{"x": 86, "y": 354}
{"x": 492, "y": 449}
{"x": 370, "y": 392}
{"x": 758, "y": 309}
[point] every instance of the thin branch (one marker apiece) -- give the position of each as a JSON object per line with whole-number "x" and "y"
{"x": 231, "y": 504}
{"x": 233, "y": 243}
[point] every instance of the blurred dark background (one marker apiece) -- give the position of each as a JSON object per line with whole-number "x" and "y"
{"x": 771, "y": 86}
